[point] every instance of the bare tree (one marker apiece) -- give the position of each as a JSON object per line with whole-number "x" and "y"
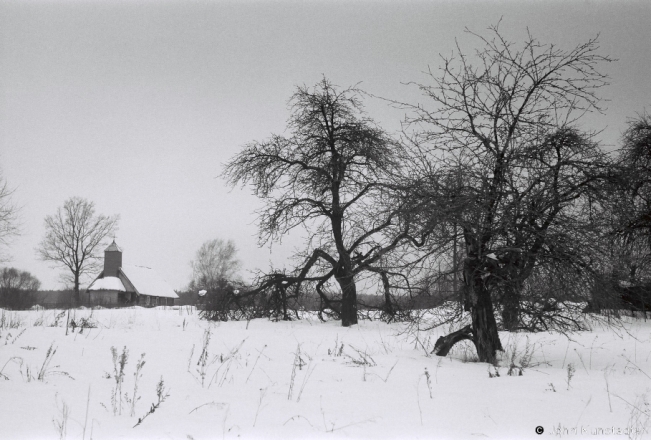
{"x": 8, "y": 218}
{"x": 215, "y": 262}
{"x": 635, "y": 182}
{"x": 17, "y": 288}
{"x": 518, "y": 171}
{"x": 74, "y": 237}
{"x": 625, "y": 272}
{"x": 332, "y": 177}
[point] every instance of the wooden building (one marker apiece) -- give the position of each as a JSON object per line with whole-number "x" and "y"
{"x": 119, "y": 285}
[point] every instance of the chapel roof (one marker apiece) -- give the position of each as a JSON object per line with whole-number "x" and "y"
{"x": 147, "y": 281}
{"x": 107, "y": 283}
{"x": 113, "y": 247}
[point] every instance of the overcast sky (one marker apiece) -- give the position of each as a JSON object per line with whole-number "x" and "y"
{"x": 135, "y": 105}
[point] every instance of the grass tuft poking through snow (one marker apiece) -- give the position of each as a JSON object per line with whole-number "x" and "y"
{"x": 570, "y": 374}
{"x": 61, "y": 422}
{"x": 119, "y": 364}
{"x": 640, "y": 417}
{"x": 202, "y": 362}
{"x": 46, "y": 370}
{"x": 429, "y": 382}
{"x": 161, "y": 394}
{"x": 137, "y": 375}
{"x": 46, "y": 362}
{"x": 58, "y": 319}
{"x": 298, "y": 363}
{"x": 9, "y": 320}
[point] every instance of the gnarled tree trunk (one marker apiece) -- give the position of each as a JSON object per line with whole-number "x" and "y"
{"x": 484, "y": 327}
{"x": 483, "y": 330}
{"x": 478, "y": 301}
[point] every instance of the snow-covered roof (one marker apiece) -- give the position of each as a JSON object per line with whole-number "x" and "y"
{"x": 107, "y": 283}
{"x": 147, "y": 282}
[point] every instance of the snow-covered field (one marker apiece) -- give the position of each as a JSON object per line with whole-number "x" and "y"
{"x": 309, "y": 379}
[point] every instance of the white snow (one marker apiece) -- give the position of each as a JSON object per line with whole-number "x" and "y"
{"x": 148, "y": 282}
{"x": 308, "y": 379}
{"x": 107, "y": 283}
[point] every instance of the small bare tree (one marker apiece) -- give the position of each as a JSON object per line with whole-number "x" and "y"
{"x": 215, "y": 262}
{"x": 8, "y": 217}
{"x": 74, "y": 237}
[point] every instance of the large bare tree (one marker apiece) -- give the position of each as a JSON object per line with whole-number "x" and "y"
{"x": 74, "y": 239}
{"x": 331, "y": 176}
{"x": 501, "y": 125}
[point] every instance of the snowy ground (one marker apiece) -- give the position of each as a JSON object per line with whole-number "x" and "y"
{"x": 294, "y": 380}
